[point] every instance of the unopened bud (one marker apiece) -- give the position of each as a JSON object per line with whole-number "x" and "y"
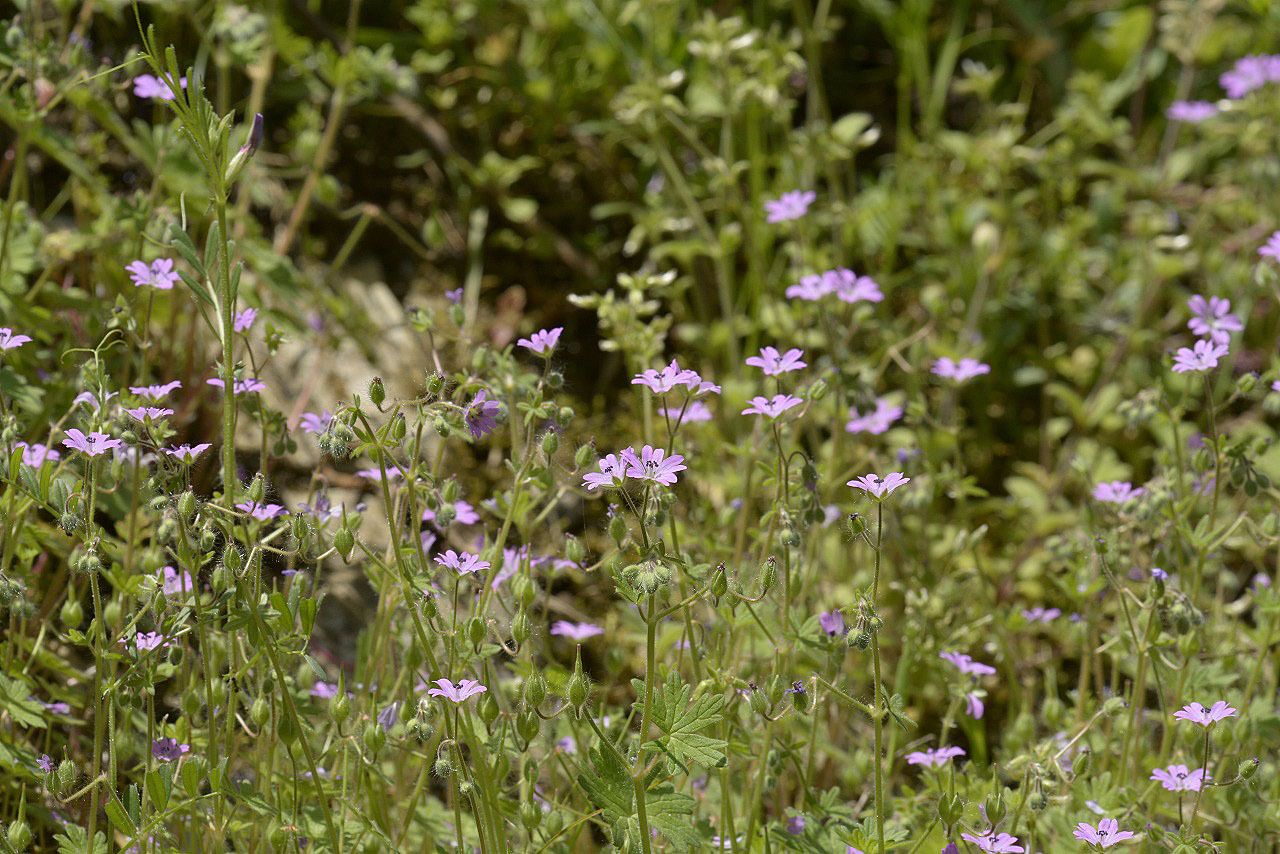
{"x": 530, "y": 814}
{"x": 550, "y": 443}
{"x": 340, "y": 707}
{"x": 618, "y": 529}
{"x": 527, "y": 724}
{"x": 535, "y": 690}
{"x": 950, "y": 809}
{"x": 377, "y": 392}
{"x": 769, "y": 575}
{"x": 758, "y": 701}
{"x": 1248, "y": 768}
{"x": 995, "y": 808}
{"x": 583, "y": 456}
{"x": 574, "y": 550}
{"x": 72, "y": 614}
{"x": 374, "y": 736}
{"x": 186, "y": 506}
{"x": 242, "y": 157}
{"x": 19, "y": 835}
{"x": 344, "y": 541}
{"x": 260, "y": 713}
{"x": 475, "y": 631}
{"x": 258, "y": 489}
{"x": 489, "y": 709}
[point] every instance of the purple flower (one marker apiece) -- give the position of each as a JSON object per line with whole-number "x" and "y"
{"x": 995, "y": 843}
{"x": 543, "y": 341}
{"x": 314, "y": 423}
{"x": 175, "y": 583}
{"x": 577, "y": 631}
{"x": 261, "y": 512}
{"x": 457, "y": 693}
{"x": 771, "y": 407}
{"x": 1271, "y": 249}
{"x": 159, "y": 275}
{"x": 812, "y": 287}
{"x": 1198, "y": 714}
{"x": 877, "y": 486}
{"x": 1106, "y": 834}
{"x": 36, "y": 455}
{"x": 10, "y": 341}
{"x": 464, "y": 563}
{"x": 376, "y": 474}
{"x": 832, "y": 623}
{"x": 696, "y": 411}
{"x": 773, "y": 363}
{"x": 1191, "y": 111}
{"x": 324, "y": 690}
{"x": 960, "y": 371}
{"x": 147, "y": 86}
{"x": 248, "y": 385}
{"x": 1212, "y": 319}
{"x": 795, "y": 825}
{"x": 149, "y": 641}
{"x": 1250, "y": 73}
{"x": 967, "y": 665}
{"x": 45, "y": 762}
{"x": 653, "y": 465}
{"x": 1116, "y": 492}
{"x": 1176, "y": 778}
{"x": 612, "y": 472}
{"x": 58, "y": 708}
{"x": 1203, "y": 356}
{"x": 155, "y": 392}
{"x": 168, "y": 749}
{"x": 876, "y": 422}
{"x": 1041, "y": 615}
{"x": 792, "y": 205}
{"x": 454, "y": 296}
{"x": 482, "y": 414}
{"x": 186, "y": 453}
{"x": 93, "y": 444}
{"x": 974, "y": 706}
{"x": 661, "y": 382}
{"x": 388, "y": 717}
{"x": 145, "y": 413}
{"x": 1159, "y": 574}
{"x": 850, "y": 288}
{"x": 463, "y": 514}
{"x": 92, "y": 399}
{"x": 244, "y": 319}
{"x": 934, "y": 758}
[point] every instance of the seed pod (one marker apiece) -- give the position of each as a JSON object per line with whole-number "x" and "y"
{"x": 769, "y": 575}
{"x": 530, "y": 815}
{"x": 220, "y": 579}
{"x": 186, "y": 506}
{"x": 19, "y": 835}
{"x": 339, "y": 707}
{"x": 525, "y": 590}
{"x": 258, "y": 489}
{"x": 489, "y": 710}
{"x": 377, "y": 392}
{"x": 583, "y": 456}
{"x": 535, "y": 690}
{"x": 429, "y": 608}
{"x": 520, "y": 628}
{"x": 527, "y": 725}
{"x": 231, "y": 558}
{"x": 550, "y": 443}
{"x": 66, "y": 776}
{"x": 719, "y": 582}
{"x": 1248, "y": 768}
{"x": 260, "y": 713}
{"x": 618, "y": 529}
{"x": 443, "y": 767}
{"x": 475, "y": 631}
{"x": 435, "y": 383}
{"x": 758, "y": 701}
{"x": 995, "y": 808}
{"x": 374, "y": 736}
{"x": 578, "y": 689}
{"x": 344, "y": 541}
{"x": 72, "y": 614}
{"x": 399, "y": 427}
{"x": 950, "y": 809}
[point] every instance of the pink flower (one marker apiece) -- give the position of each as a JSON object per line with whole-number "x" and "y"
{"x": 995, "y": 844}
{"x": 577, "y": 631}
{"x": 169, "y": 749}
{"x": 1116, "y": 492}
{"x": 481, "y": 415}
{"x": 464, "y": 563}
{"x": 149, "y": 641}
{"x": 653, "y": 465}
{"x": 1176, "y": 778}
{"x": 1212, "y": 319}
{"x": 1271, "y": 249}
{"x": 463, "y": 514}
{"x": 661, "y": 382}
{"x": 960, "y": 371}
{"x": 974, "y": 706}
{"x": 877, "y": 486}
{"x": 1198, "y": 714}
{"x": 457, "y": 693}
{"x": 967, "y": 665}
{"x": 93, "y": 444}
{"x": 186, "y": 453}
{"x": 1106, "y": 834}
{"x": 147, "y": 86}
{"x": 324, "y": 690}
{"x": 159, "y": 275}
{"x": 1041, "y": 615}
{"x": 262, "y": 512}
{"x": 875, "y": 422}
{"x": 695, "y": 412}
{"x": 248, "y": 385}
{"x": 155, "y": 392}
{"x": 934, "y": 757}
{"x": 1203, "y": 356}
{"x": 313, "y": 423}
{"x": 814, "y": 286}
{"x": 145, "y": 413}
{"x": 791, "y": 205}
{"x": 851, "y": 288}
{"x": 774, "y": 407}
{"x": 773, "y": 363}
{"x": 244, "y": 319}
{"x": 832, "y": 623}
{"x": 36, "y": 455}
{"x": 543, "y": 341}
{"x": 175, "y": 583}
{"x": 612, "y": 472}
{"x": 1190, "y": 111}
{"x": 10, "y": 341}
{"x": 1250, "y": 73}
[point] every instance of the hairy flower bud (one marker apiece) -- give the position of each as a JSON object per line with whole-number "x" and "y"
{"x": 535, "y": 690}
{"x": 66, "y": 776}
{"x": 187, "y": 506}
{"x": 769, "y": 575}
{"x": 719, "y": 582}
{"x": 618, "y": 529}
{"x": 1248, "y": 768}
{"x": 950, "y": 809}
{"x": 1113, "y": 706}
{"x": 758, "y": 701}
{"x": 527, "y": 724}
{"x": 258, "y": 489}
{"x": 550, "y": 443}
{"x": 520, "y": 628}
{"x": 344, "y": 541}
{"x": 574, "y": 550}
{"x": 260, "y": 713}
{"x": 19, "y": 835}
{"x": 435, "y": 384}
{"x": 377, "y": 392}
{"x": 399, "y": 427}
{"x": 443, "y": 767}
{"x": 475, "y": 631}
{"x": 374, "y": 736}
{"x": 530, "y": 815}
{"x": 72, "y": 614}
{"x": 231, "y": 558}
{"x": 584, "y": 456}
{"x": 489, "y": 710}
{"x": 340, "y": 707}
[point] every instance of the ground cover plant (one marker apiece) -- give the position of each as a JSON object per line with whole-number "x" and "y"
{"x": 591, "y": 425}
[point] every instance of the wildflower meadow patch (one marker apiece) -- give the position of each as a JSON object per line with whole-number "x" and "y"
{"x": 593, "y": 425}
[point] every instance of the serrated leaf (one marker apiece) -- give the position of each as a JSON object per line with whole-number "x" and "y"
{"x": 682, "y": 722}
{"x": 611, "y": 789}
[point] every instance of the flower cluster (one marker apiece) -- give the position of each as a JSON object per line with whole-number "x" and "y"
{"x": 651, "y": 465}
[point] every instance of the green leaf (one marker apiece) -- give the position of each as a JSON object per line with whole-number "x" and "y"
{"x": 611, "y": 789}
{"x": 682, "y": 722}
{"x": 119, "y": 819}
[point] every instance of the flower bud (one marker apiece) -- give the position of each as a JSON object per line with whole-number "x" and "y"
{"x": 399, "y": 428}
{"x": 489, "y": 710}
{"x": 220, "y": 579}
{"x": 475, "y": 631}
{"x": 69, "y": 521}
{"x": 111, "y": 614}
{"x": 550, "y": 443}
{"x": 719, "y": 582}
{"x": 231, "y": 558}
{"x": 1246, "y": 382}
{"x": 758, "y": 701}
{"x": 66, "y": 776}
{"x": 769, "y": 575}
{"x": 207, "y": 539}
{"x": 800, "y": 698}
{"x": 258, "y": 489}
{"x": 187, "y": 506}
{"x": 260, "y": 713}
{"x": 435, "y": 384}
{"x": 429, "y": 608}
{"x": 443, "y": 767}
{"x": 565, "y": 415}
{"x": 995, "y": 808}
{"x": 1248, "y": 768}
{"x": 950, "y": 809}
{"x": 535, "y": 690}
{"x": 530, "y": 814}
{"x": 377, "y": 392}
{"x": 818, "y": 390}
{"x": 72, "y": 614}
{"x": 520, "y": 628}
{"x": 574, "y": 550}
{"x": 339, "y": 707}
{"x": 527, "y": 724}
{"x": 344, "y": 541}
{"x": 1080, "y": 767}
{"x": 242, "y": 157}
{"x": 583, "y": 456}
{"x": 578, "y": 690}
{"x": 525, "y": 590}
{"x": 374, "y": 736}
{"x": 449, "y": 491}
{"x": 618, "y": 529}
{"x": 19, "y": 835}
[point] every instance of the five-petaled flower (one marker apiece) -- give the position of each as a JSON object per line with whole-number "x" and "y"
{"x": 934, "y": 757}
{"x": 149, "y": 86}
{"x": 175, "y": 583}
{"x": 771, "y": 407}
{"x": 661, "y": 382}
{"x": 1041, "y": 615}
{"x": 9, "y": 340}
{"x": 45, "y": 762}
{"x": 1198, "y": 714}
{"x": 832, "y": 623}
{"x": 159, "y": 275}
{"x": 169, "y": 749}
{"x": 612, "y": 473}
{"x": 261, "y": 512}
{"x": 148, "y": 413}
{"x": 967, "y": 665}
{"x": 1271, "y": 249}
{"x": 1116, "y": 491}
{"x": 155, "y": 392}
{"x": 773, "y": 363}
{"x": 463, "y": 562}
{"x": 577, "y": 631}
{"x": 482, "y": 414}
{"x": 1191, "y": 111}
{"x": 149, "y": 641}
{"x": 313, "y": 423}
{"x": 1200, "y": 357}
{"x": 543, "y": 341}
{"x": 653, "y": 464}
{"x": 875, "y": 422}
{"x": 93, "y": 444}
{"x": 694, "y": 411}
{"x": 1106, "y": 834}
{"x": 878, "y": 486}
{"x": 791, "y": 205}
{"x": 457, "y": 693}
{"x": 244, "y": 320}
{"x": 248, "y": 385}
{"x": 993, "y": 843}
{"x": 965, "y": 369}
{"x": 1213, "y": 319}
{"x": 35, "y": 455}
{"x": 1177, "y": 778}
{"x": 187, "y": 454}
{"x": 463, "y": 514}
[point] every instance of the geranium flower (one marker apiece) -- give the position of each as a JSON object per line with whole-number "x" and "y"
{"x": 965, "y": 369}
{"x": 934, "y": 757}
{"x": 653, "y": 465}
{"x": 324, "y": 690}
{"x": 1250, "y": 73}
{"x": 457, "y": 693}
{"x": 967, "y": 665}
{"x": 974, "y": 706}
{"x": 773, "y": 363}
{"x": 155, "y": 392}
{"x": 186, "y": 453}
{"x": 175, "y": 583}
{"x": 92, "y": 399}
{"x": 244, "y": 319}
{"x": 543, "y": 341}
{"x": 771, "y": 407}
{"x": 1190, "y": 111}
{"x": 993, "y": 843}
{"x": 1106, "y": 834}
{"x": 1116, "y": 491}
{"x": 1198, "y": 714}
{"x": 875, "y": 422}
{"x": 852, "y": 288}
{"x": 661, "y": 382}
{"x": 1271, "y": 249}
{"x": 92, "y": 445}
{"x": 577, "y": 631}
{"x": 36, "y": 455}
{"x": 1176, "y": 778}
{"x": 791, "y": 205}
{"x": 463, "y": 562}
{"x": 148, "y": 86}
{"x": 695, "y": 412}
{"x": 1200, "y": 357}
{"x": 313, "y": 423}
{"x": 1213, "y": 319}
{"x": 159, "y": 275}
{"x": 146, "y": 413}
{"x": 149, "y": 641}
{"x": 463, "y": 514}
{"x": 877, "y": 486}
{"x": 482, "y": 414}
{"x": 832, "y": 623}
{"x": 814, "y": 286}
{"x": 261, "y": 512}
{"x": 248, "y": 385}
{"x": 1041, "y": 615}
{"x": 169, "y": 749}
{"x": 45, "y": 762}
{"x": 612, "y": 472}
{"x": 11, "y": 341}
